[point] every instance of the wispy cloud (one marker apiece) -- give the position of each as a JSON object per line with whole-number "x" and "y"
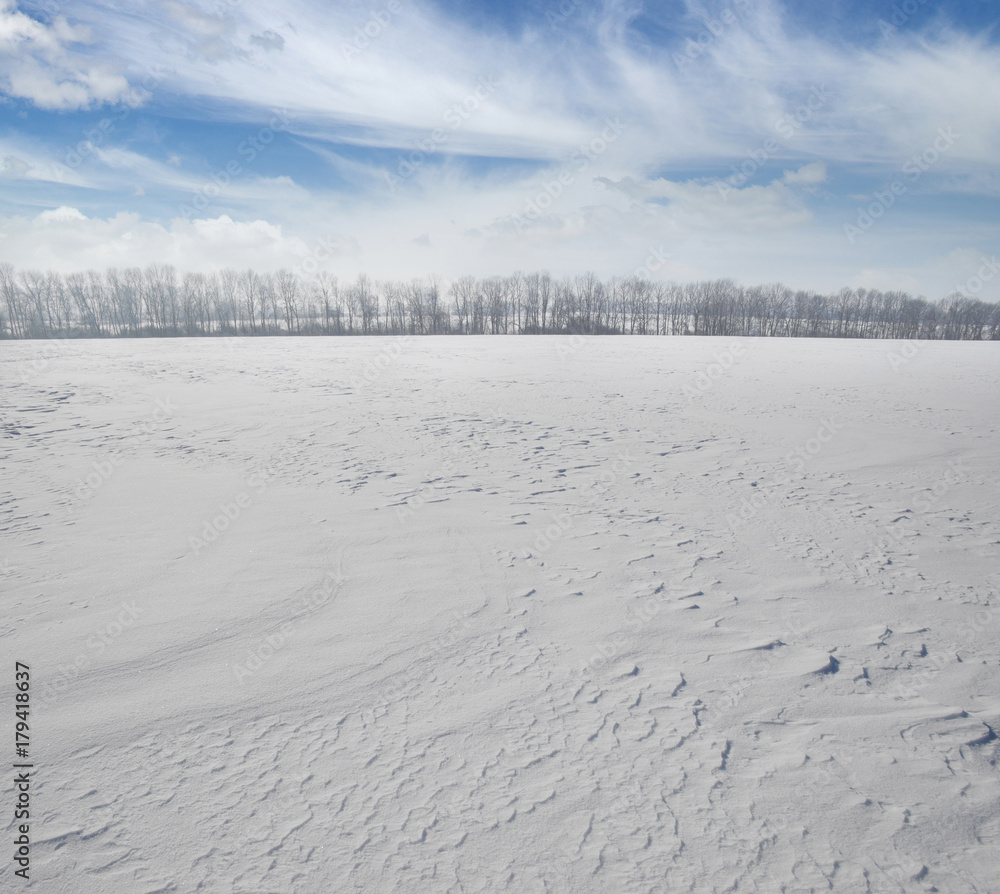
{"x": 431, "y": 132}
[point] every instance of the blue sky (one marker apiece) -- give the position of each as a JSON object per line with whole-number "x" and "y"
{"x": 818, "y": 144}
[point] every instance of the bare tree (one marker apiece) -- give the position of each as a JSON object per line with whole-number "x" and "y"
{"x": 17, "y": 317}
{"x": 287, "y": 284}
{"x": 86, "y": 290}
{"x": 326, "y": 287}
{"x": 134, "y": 301}
{"x": 249, "y": 290}
{"x": 415, "y": 307}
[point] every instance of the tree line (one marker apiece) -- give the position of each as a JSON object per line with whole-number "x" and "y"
{"x": 159, "y": 301}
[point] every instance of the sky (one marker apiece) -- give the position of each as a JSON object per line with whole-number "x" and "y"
{"x": 821, "y": 144}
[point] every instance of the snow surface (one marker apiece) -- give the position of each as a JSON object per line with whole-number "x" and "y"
{"x": 505, "y": 614}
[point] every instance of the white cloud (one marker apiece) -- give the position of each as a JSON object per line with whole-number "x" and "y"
{"x": 148, "y": 170}
{"x": 196, "y": 22}
{"x": 711, "y": 206}
{"x": 886, "y": 280}
{"x": 62, "y": 214}
{"x": 37, "y": 64}
{"x": 269, "y": 40}
{"x": 65, "y": 239}
{"x": 807, "y": 175}
{"x": 614, "y": 235}
{"x": 13, "y": 167}
{"x": 29, "y": 160}
{"x": 913, "y": 88}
